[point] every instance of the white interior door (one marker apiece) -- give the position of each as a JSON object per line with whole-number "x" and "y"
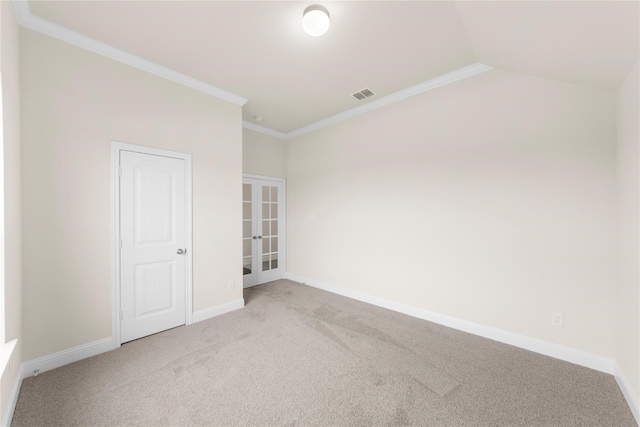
{"x": 263, "y": 231}
{"x": 153, "y": 246}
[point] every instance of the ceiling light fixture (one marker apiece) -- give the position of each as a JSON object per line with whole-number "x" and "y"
{"x": 315, "y": 20}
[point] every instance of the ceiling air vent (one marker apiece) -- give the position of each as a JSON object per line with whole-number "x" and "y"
{"x": 363, "y": 94}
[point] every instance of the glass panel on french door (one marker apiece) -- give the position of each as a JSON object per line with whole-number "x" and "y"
{"x": 269, "y": 227}
{"x": 246, "y": 248}
{"x": 246, "y": 265}
{"x": 246, "y": 192}
{"x": 247, "y": 259}
{"x": 262, "y": 238}
{"x": 274, "y": 228}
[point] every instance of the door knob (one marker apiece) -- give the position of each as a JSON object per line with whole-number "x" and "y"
{"x": 259, "y": 237}
{"x": 182, "y": 251}
{"x": 255, "y": 237}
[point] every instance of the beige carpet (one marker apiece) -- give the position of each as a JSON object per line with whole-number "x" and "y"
{"x": 300, "y": 356}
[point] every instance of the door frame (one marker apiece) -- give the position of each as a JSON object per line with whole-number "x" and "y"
{"x": 284, "y": 214}
{"x": 116, "y": 148}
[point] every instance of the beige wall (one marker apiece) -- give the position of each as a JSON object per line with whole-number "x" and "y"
{"x": 628, "y": 298}
{"x": 492, "y": 199}
{"x": 74, "y": 103}
{"x": 11, "y": 153}
{"x": 11, "y": 124}
{"x": 263, "y": 154}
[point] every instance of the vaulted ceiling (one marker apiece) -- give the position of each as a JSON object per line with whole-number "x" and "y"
{"x": 258, "y": 50}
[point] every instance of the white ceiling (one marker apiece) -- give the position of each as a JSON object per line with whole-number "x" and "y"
{"x": 257, "y": 50}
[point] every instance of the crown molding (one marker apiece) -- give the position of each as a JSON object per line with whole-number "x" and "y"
{"x": 26, "y": 19}
{"x": 436, "y": 82}
{"x": 263, "y": 130}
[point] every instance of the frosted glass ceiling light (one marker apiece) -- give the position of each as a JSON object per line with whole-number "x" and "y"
{"x": 315, "y": 20}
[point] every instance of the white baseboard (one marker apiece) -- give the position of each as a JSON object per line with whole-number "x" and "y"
{"x": 64, "y": 357}
{"x": 218, "y": 310}
{"x": 61, "y": 358}
{"x": 568, "y": 354}
{"x": 627, "y": 391}
{"x": 11, "y": 403}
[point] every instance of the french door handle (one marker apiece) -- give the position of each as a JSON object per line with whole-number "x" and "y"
{"x": 255, "y": 237}
{"x": 259, "y": 237}
{"x": 182, "y": 251}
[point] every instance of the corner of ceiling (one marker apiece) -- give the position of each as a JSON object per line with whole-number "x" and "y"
{"x": 263, "y": 129}
{"x": 26, "y": 19}
{"x": 474, "y": 50}
{"x": 23, "y": 11}
{"x": 51, "y": 29}
{"x": 434, "y": 83}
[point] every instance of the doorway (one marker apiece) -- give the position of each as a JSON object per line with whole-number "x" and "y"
{"x": 153, "y": 249}
{"x": 263, "y": 240}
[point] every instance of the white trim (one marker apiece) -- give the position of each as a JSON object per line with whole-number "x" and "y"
{"x": 7, "y": 353}
{"x": 7, "y": 416}
{"x": 627, "y": 392}
{"x": 568, "y": 354}
{"x": 434, "y": 83}
{"x": 26, "y": 19}
{"x": 115, "y": 245}
{"x": 2, "y": 239}
{"x": 264, "y": 177}
{"x": 64, "y": 357}
{"x": 116, "y": 147}
{"x": 263, "y": 130}
{"x": 445, "y": 79}
{"x": 189, "y": 246}
{"x": 218, "y": 310}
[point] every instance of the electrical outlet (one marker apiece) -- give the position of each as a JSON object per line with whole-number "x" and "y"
{"x": 231, "y": 284}
{"x": 557, "y": 319}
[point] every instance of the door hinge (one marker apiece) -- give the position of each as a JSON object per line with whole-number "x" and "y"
{"x": 121, "y": 315}
{"x": 119, "y": 170}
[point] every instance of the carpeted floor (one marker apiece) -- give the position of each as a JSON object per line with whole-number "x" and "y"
{"x": 296, "y": 355}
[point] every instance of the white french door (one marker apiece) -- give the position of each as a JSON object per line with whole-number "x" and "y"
{"x": 262, "y": 230}
{"x": 153, "y": 233}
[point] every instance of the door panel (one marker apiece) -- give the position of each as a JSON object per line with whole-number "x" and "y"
{"x": 263, "y": 230}
{"x": 153, "y": 285}
{"x": 153, "y": 228}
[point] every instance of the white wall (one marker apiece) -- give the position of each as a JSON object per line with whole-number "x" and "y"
{"x": 492, "y": 199}
{"x": 11, "y": 152}
{"x": 628, "y": 297}
{"x": 74, "y": 103}
{"x": 263, "y": 154}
